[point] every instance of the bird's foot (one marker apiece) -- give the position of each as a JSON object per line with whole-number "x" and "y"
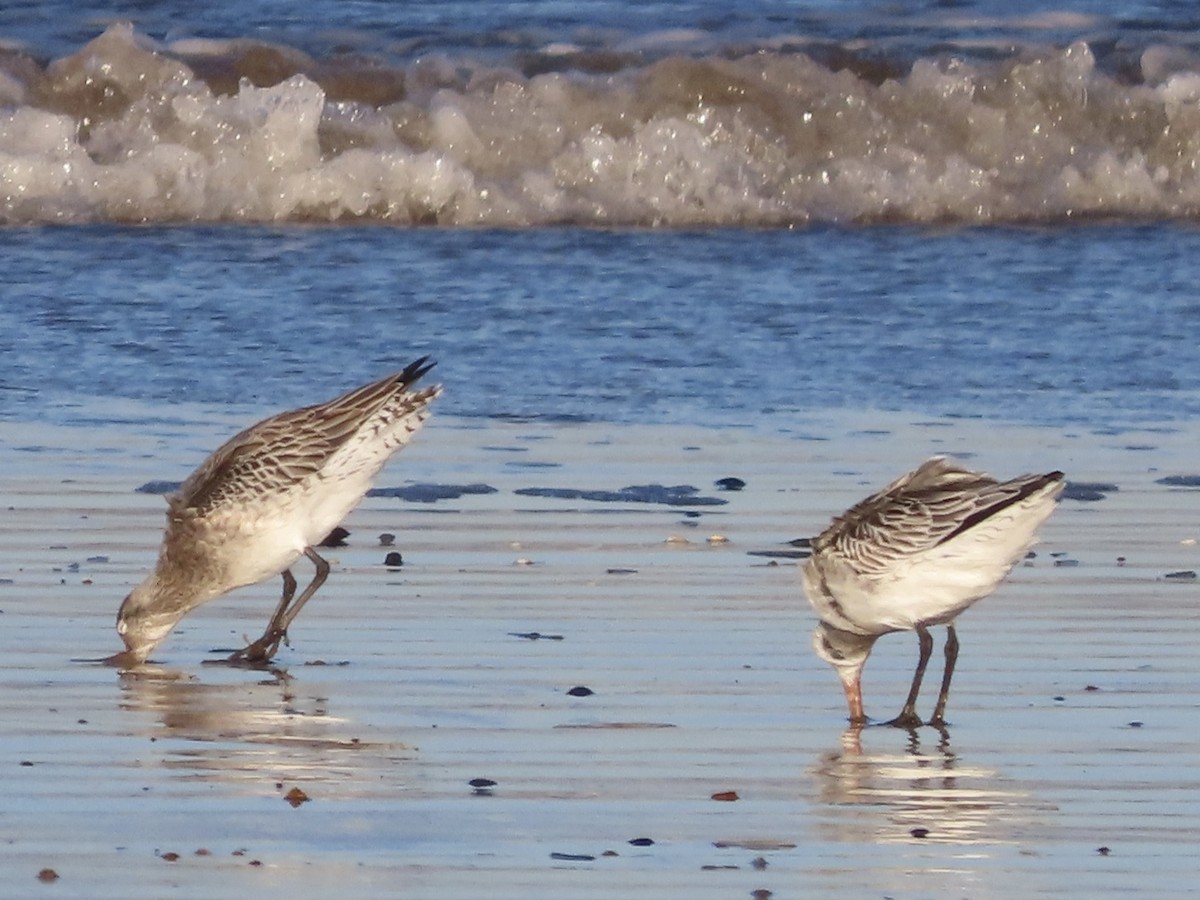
{"x": 907, "y": 719}
{"x": 258, "y": 653}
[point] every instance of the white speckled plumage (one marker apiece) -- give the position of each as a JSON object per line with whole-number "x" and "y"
{"x": 916, "y": 554}
{"x": 264, "y": 499}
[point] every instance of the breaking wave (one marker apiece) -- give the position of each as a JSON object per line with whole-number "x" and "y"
{"x": 132, "y": 130}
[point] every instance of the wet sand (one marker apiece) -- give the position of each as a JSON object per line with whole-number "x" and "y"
{"x": 1071, "y": 762}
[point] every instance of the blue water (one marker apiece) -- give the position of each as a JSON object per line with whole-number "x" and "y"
{"x": 1093, "y": 326}
{"x": 174, "y": 235}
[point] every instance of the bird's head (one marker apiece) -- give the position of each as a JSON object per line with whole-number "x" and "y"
{"x": 145, "y": 618}
{"x": 847, "y": 652}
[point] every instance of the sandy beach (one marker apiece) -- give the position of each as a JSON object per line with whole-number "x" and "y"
{"x": 1070, "y": 763}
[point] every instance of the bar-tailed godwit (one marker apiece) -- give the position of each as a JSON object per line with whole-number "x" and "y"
{"x": 917, "y": 554}
{"x": 264, "y": 499}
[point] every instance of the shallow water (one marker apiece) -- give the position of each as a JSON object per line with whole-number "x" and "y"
{"x": 1087, "y": 327}
{"x": 1070, "y": 715}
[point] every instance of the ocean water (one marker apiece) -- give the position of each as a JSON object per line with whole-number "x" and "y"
{"x": 1089, "y": 327}
{"x": 672, "y": 212}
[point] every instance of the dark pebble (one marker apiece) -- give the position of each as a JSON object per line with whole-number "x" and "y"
{"x": 1088, "y": 491}
{"x": 671, "y": 495}
{"x": 387, "y": 539}
{"x": 759, "y": 863}
{"x": 761, "y": 893}
{"x": 573, "y": 857}
{"x": 431, "y": 493}
{"x": 1103, "y": 851}
{"x": 642, "y": 842}
{"x": 1136, "y": 724}
{"x": 1184, "y": 575}
{"x": 580, "y": 691}
{"x": 158, "y": 487}
{"x": 1059, "y": 699}
{"x": 481, "y": 783}
{"x": 919, "y": 832}
{"x": 535, "y": 636}
{"x": 730, "y": 484}
{"x": 393, "y": 560}
{"x": 1190, "y": 481}
{"x": 1091, "y": 687}
{"x": 335, "y": 538}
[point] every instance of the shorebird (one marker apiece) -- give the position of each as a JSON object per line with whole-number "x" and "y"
{"x": 264, "y": 499}
{"x": 917, "y": 554}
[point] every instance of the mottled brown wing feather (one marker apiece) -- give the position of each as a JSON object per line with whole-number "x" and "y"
{"x": 289, "y": 447}
{"x": 919, "y": 511}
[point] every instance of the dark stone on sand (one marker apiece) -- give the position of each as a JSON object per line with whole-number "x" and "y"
{"x": 431, "y": 493}
{"x": 572, "y": 857}
{"x": 669, "y": 495}
{"x": 580, "y": 691}
{"x": 393, "y": 560}
{"x": 1184, "y": 575}
{"x": 158, "y": 487}
{"x": 335, "y": 538}
{"x": 919, "y": 832}
{"x": 1088, "y": 491}
{"x": 1103, "y": 851}
{"x": 387, "y": 539}
{"x": 642, "y": 842}
{"x": 535, "y": 636}
{"x": 781, "y": 554}
{"x": 1188, "y": 481}
{"x": 481, "y": 783}
{"x": 729, "y": 484}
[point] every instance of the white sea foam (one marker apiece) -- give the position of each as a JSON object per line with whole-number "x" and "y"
{"x": 130, "y": 130}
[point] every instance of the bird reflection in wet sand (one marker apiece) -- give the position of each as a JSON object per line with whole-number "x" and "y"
{"x": 263, "y": 500}
{"x": 917, "y": 554}
{"x": 925, "y": 792}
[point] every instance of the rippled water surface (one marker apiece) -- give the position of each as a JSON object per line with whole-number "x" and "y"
{"x": 1093, "y": 326}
